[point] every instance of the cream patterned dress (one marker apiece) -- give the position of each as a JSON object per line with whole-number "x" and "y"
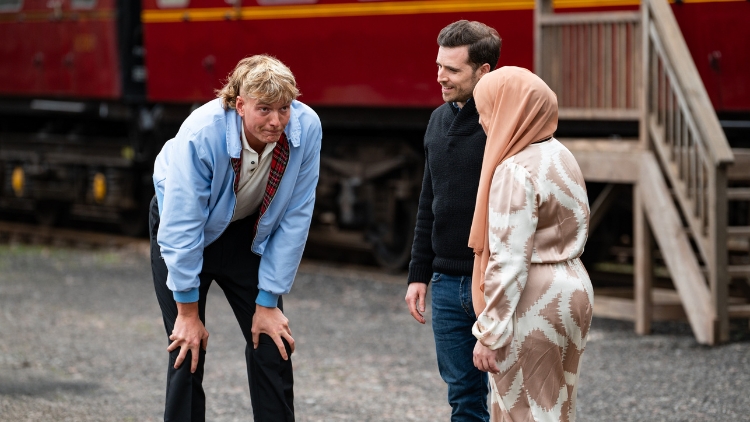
{"x": 539, "y": 295}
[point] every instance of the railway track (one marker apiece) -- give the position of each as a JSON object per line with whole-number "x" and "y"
{"x": 13, "y": 233}
{"x": 317, "y": 259}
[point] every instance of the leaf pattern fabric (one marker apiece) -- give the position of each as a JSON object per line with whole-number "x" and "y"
{"x": 538, "y": 294}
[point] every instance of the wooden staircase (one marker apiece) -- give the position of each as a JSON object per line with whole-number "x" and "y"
{"x": 738, "y": 176}
{"x": 634, "y": 65}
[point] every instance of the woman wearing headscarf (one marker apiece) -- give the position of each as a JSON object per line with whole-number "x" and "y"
{"x": 532, "y": 295}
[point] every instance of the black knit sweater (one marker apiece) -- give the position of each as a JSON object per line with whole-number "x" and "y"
{"x": 453, "y": 146}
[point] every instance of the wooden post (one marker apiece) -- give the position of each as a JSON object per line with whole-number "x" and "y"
{"x": 542, "y": 7}
{"x": 719, "y": 275}
{"x": 644, "y": 83}
{"x": 644, "y": 264}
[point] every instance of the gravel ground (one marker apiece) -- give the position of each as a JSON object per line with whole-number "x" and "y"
{"x": 81, "y": 339}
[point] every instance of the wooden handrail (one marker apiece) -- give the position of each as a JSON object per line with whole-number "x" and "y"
{"x": 688, "y": 139}
{"x": 681, "y": 125}
{"x": 675, "y": 49}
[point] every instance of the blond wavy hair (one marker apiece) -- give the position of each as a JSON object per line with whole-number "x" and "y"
{"x": 261, "y": 77}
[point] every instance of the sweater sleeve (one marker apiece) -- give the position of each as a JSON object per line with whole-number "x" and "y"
{"x": 422, "y": 254}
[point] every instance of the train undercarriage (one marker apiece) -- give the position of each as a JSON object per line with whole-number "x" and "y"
{"x": 92, "y": 161}
{"x": 64, "y": 160}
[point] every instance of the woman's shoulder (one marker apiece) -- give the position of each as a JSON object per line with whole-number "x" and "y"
{"x": 535, "y": 155}
{"x": 532, "y": 162}
{"x": 518, "y": 167}
{"x": 530, "y": 158}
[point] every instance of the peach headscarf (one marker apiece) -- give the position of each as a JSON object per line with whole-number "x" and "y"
{"x": 517, "y": 108}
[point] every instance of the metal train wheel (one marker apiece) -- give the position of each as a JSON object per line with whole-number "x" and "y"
{"x": 392, "y": 248}
{"x": 48, "y": 213}
{"x": 134, "y": 223}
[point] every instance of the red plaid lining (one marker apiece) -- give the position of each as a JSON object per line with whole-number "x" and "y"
{"x": 279, "y": 161}
{"x": 236, "y": 166}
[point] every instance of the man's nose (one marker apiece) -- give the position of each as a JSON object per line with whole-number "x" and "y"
{"x": 441, "y": 75}
{"x": 275, "y": 119}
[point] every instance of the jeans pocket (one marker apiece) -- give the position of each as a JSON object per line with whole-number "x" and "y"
{"x": 435, "y": 277}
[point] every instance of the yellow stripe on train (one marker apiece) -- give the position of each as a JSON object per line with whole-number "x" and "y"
{"x": 369, "y": 9}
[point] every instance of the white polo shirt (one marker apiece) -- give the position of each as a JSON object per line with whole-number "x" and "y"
{"x": 253, "y": 178}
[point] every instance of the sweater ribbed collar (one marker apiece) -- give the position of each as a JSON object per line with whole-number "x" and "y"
{"x": 465, "y": 120}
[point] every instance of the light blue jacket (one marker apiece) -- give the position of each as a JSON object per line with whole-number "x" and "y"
{"x": 194, "y": 184}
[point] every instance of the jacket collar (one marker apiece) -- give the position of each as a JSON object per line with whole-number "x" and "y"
{"x": 293, "y": 130}
{"x": 234, "y": 125}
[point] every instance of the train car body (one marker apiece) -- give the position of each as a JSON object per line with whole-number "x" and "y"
{"x": 68, "y": 49}
{"x": 381, "y": 53}
{"x": 90, "y": 89}
{"x": 345, "y": 53}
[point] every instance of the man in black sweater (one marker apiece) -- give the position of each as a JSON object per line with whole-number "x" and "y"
{"x": 453, "y": 145}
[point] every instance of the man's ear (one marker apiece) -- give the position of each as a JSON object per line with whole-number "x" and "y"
{"x": 239, "y": 102}
{"x": 484, "y": 69}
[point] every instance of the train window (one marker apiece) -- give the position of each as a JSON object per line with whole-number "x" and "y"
{"x": 164, "y": 4}
{"x": 83, "y": 4}
{"x": 272, "y": 2}
{"x": 10, "y": 5}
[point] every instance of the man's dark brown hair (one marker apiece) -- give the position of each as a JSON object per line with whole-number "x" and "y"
{"x": 484, "y": 42}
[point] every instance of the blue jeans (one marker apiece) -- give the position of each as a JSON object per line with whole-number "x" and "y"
{"x": 452, "y": 319}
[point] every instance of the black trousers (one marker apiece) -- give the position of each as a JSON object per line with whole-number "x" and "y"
{"x": 230, "y": 262}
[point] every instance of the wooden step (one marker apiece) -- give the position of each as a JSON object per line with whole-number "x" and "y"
{"x": 738, "y": 270}
{"x": 738, "y": 230}
{"x": 738, "y": 194}
{"x": 618, "y": 303}
{"x": 740, "y": 169}
{"x": 738, "y": 244}
{"x": 739, "y": 311}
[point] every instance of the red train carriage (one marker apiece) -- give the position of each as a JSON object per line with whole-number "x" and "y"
{"x": 90, "y": 89}
{"x": 71, "y": 87}
{"x": 345, "y": 53}
{"x": 60, "y": 49}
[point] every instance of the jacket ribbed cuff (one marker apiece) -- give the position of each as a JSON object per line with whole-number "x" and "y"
{"x": 188, "y": 296}
{"x": 267, "y": 299}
